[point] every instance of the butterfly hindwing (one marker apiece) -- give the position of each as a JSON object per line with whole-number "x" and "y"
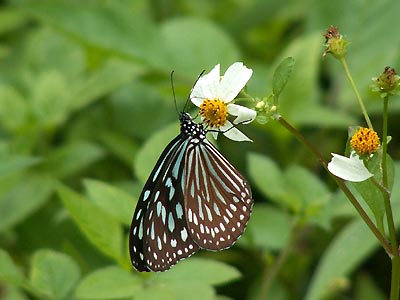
{"x": 217, "y": 197}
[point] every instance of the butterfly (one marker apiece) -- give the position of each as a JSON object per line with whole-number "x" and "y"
{"x": 193, "y": 199}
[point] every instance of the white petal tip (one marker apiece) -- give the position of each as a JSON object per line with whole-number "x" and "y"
{"x": 350, "y": 169}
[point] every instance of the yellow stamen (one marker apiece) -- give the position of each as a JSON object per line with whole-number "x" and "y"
{"x": 365, "y": 141}
{"x": 214, "y": 112}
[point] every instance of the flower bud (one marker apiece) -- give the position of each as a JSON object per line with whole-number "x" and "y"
{"x": 387, "y": 83}
{"x": 335, "y": 44}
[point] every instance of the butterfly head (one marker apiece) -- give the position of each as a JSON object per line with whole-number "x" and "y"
{"x": 190, "y": 128}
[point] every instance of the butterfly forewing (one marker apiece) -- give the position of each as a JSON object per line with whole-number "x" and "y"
{"x": 218, "y": 199}
{"x": 159, "y": 237}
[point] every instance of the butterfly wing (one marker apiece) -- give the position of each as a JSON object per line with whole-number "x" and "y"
{"x": 218, "y": 199}
{"x": 159, "y": 237}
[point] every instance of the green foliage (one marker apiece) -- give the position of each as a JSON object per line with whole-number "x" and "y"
{"x": 21, "y": 200}
{"x": 201, "y": 270}
{"x": 116, "y": 202}
{"x": 96, "y": 224}
{"x": 371, "y": 193}
{"x": 346, "y": 249}
{"x": 86, "y": 108}
{"x": 282, "y": 75}
{"x": 152, "y": 149}
{"x": 9, "y": 271}
{"x": 269, "y": 228}
{"x": 53, "y": 275}
{"x": 295, "y": 188}
{"x": 97, "y": 285}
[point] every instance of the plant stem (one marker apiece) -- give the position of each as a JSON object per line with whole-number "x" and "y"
{"x": 341, "y": 185}
{"x": 271, "y": 274}
{"x": 384, "y": 141}
{"x": 394, "y": 287}
{"x": 353, "y": 85}
{"x": 394, "y": 291}
{"x": 386, "y": 191}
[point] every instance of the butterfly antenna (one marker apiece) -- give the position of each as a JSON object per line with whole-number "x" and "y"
{"x": 173, "y": 91}
{"x": 188, "y": 99}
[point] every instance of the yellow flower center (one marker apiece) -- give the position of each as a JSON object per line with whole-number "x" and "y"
{"x": 365, "y": 141}
{"x": 214, "y": 112}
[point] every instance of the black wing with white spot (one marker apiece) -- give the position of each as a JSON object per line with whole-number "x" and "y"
{"x": 159, "y": 237}
{"x": 218, "y": 199}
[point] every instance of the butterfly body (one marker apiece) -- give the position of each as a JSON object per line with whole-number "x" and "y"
{"x": 193, "y": 199}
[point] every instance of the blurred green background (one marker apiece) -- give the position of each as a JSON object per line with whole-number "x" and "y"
{"x": 86, "y": 108}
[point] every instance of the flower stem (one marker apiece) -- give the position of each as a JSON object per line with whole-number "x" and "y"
{"x": 384, "y": 141}
{"x": 394, "y": 291}
{"x": 353, "y": 85}
{"x": 341, "y": 185}
{"x": 394, "y": 287}
{"x": 386, "y": 190}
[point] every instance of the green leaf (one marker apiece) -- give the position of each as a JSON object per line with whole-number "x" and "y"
{"x": 114, "y": 201}
{"x": 309, "y": 193}
{"x": 103, "y": 81}
{"x": 53, "y": 274}
{"x": 348, "y": 249}
{"x": 300, "y": 92}
{"x": 101, "y": 229}
{"x": 174, "y": 290}
{"x": 296, "y": 188}
{"x": 201, "y": 270}
{"x": 106, "y": 26}
{"x": 108, "y": 283}
{"x": 373, "y": 197}
{"x": 266, "y": 176}
{"x": 43, "y": 51}
{"x": 72, "y": 158}
{"x": 138, "y": 101}
{"x": 9, "y": 271}
{"x": 190, "y": 279}
{"x": 199, "y": 35}
{"x": 50, "y": 98}
{"x": 367, "y": 288}
{"x": 323, "y": 116}
{"x": 281, "y": 75}
{"x": 222, "y": 297}
{"x": 120, "y": 145}
{"x": 371, "y": 193}
{"x": 13, "y": 108}
{"x": 24, "y": 198}
{"x": 10, "y": 19}
{"x": 269, "y": 227}
{"x": 11, "y": 292}
{"x": 150, "y": 152}
{"x": 14, "y": 163}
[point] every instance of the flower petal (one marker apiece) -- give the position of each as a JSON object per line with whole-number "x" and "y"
{"x": 231, "y": 132}
{"x": 206, "y": 86}
{"x": 351, "y": 169}
{"x": 214, "y": 134}
{"x": 234, "y": 79}
{"x": 244, "y": 115}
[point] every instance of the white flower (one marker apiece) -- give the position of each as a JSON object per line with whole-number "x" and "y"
{"x": 214, "y": 95}
{"x": 349, "y": 168}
